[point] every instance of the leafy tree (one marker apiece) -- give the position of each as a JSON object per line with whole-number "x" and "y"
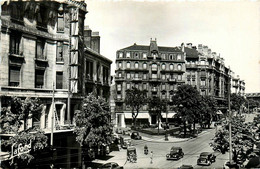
{"x": 242, "y": 139}
{"x": 157, "y": 105}
{"x": 187, "y": 103}
{"x": 93, "y": 127}
{"x": 13, "y": 117}
{"x": 136, "y": 99}
{"x": 208, "y": 110}
{"x": 236, "y": 101}
{"x": 253, "y": 103}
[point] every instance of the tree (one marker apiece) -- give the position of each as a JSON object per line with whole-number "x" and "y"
{"x": 15, "y": 115}
{"x": 136, "y": 99}
{"x": 93, "y": 127}
{"x": 157, "y": 106}
{"x": 236, "y": 101}
{"x": 187, "y": 104}
{"x": 253, "y": 103}
{"x": 208, "y": 110}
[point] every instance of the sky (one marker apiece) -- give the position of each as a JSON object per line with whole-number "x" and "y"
{"x": 231, "y": 29}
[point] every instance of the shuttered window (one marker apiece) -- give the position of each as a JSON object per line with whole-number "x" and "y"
{"x": 59, "y": 52}
{"x": 14, "y": 76}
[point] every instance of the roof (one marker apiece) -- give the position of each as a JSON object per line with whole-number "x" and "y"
{"x": 89, "y": 50}
{"x": 191, "y": 53}
{"x": 205, "y": 153}
{"x": 147, "y": 48}
{"x": 173, "y": 147}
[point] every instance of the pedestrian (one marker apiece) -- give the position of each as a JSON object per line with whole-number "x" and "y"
{"x": 151, "y": 157}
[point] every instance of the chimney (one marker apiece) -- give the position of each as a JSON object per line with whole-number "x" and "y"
{"x": 189, "y": 45}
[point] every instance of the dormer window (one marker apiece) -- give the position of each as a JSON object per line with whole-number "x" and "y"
{"x": 144, "y": 55}
{"x": 171, "y": 57}
{"x": 128, "y": 55}
{"x": 179, "y": 57}
{"x": 154, "y": 55}
{"x": 120, "y": 55}
{"x": 136, "y": 55}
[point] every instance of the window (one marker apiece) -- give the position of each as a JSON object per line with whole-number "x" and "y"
{"x": 128, "y": 86}
{"x": 60, "y": 25}
{"x": 179, "y": 57}
{"x": 15, "y": 40}
{"x": 171, "y": 66}
{"x": 136, "y": 75}
{"x": 145, "y": 66}
{"x": 136, "y": 65}
{"x": 128, "y": 55}
{"x": 128, "y": 76}
{"x": 202, "y": 62}
{"x": 105, "y": 75}
{"x": 179, "y": 67}
{"x": 154, "y": 66}
{"x": 154, "y": 76}
{"x": 163, "y": 95}
{"x": 145, "y": 86}
{"x": 14, "y": 76}
{"x": 163, "y": 76}
{"x": 163, "y": 87}
{"x": 39, "y": 78}
{"x": 136, "y": 55}
{"x": 163, "y": 56}
{"x": 163, "y": 66}
{"x": 118, "y": 87}
{"x": 120, "y": 55}
{"x": 119, "y": 74}
{"x": 128, "y": 65}
{"x": 144, "y": 55}
{"x": 202, "y": 82}
{"x": 179, "y": 77}
{"x": 59, "y": 80}
{"x": 89, "y": 70}
{"x": 203, "y": 92}
{"x": 40, "y": 52}
{"x": 145, "y": 76}
{"x": 171, "y": 57}
{"x": 59, "y": 52}
{"x": 119, "y": 64}
{"x": 118, "y": 96}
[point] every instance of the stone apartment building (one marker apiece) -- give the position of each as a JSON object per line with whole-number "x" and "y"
{"x": 160, "y": 70}
{"x": 45, "y": 53}
{"x": 238, "y": 85}
{"x": 156, "y": 69}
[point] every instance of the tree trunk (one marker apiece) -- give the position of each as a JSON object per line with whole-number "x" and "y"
{"x": 184, "y": 128}
{"x": 158, "y": 120}
{"x": 194, "y": 127}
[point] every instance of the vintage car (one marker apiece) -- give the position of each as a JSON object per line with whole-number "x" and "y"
{"x": 206, "y": 158}
{"x": 135, "y": 135}
{"x": 175, "y": 153}
{"x": 186, "y": 167}
{"x": 131, "y": 154}
{"x": 111, "y": 165}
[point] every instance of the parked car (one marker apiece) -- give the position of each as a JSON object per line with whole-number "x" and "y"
{"x": 111, "y": 165}
{"x": 135, "y": 135}
{"x": 175, "y": 153}
{"x": 206, "y": 158}
{"x": 186, "y": 167}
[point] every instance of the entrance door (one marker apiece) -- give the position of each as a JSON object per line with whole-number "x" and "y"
{"x": 153, "y": 117}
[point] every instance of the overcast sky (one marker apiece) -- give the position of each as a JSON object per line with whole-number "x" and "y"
{"x": 229, "y": 28}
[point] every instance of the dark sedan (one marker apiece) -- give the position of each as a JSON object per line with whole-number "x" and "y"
{"x": 206, "y": 158}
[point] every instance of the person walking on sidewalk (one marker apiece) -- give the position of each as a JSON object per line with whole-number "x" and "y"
{"x": 151, "y": 157}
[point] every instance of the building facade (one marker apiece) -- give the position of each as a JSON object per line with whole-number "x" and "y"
{"x": 160, "y": 70}
{"x": 43, "y": 55}
{"x": 238, "y": 85}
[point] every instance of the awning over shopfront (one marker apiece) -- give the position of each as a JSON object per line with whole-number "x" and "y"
{"x": 140, "y": 115}
{"x": 169, "y": 115}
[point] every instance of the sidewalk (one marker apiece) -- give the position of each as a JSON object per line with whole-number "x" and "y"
{"x": 171, "y": 139}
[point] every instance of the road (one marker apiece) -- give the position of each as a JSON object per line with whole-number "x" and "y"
{"x": 191, "y": 148}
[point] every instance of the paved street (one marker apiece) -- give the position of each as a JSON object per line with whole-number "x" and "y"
{"x": 191, "y": 147}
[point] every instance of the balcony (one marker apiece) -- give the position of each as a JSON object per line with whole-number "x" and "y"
{"x": 171, "y": 80}
{"x": 137, "y": 79}
{"x": 191, "y": 66}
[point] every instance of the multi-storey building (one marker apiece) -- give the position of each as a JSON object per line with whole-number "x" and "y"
{"x": 238, "y": 85}
{"x": 156, "y": 69}
{"x": 43, "y": 55}
{"x": 207, "y": 71}
{"x": 159, "y": 70}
